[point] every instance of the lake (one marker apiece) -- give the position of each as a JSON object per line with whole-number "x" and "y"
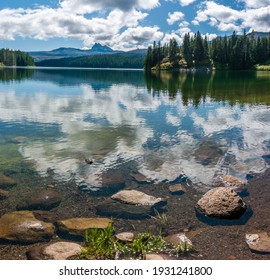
{"x": 168, "y": 127}
{"x": 142, "y": 131}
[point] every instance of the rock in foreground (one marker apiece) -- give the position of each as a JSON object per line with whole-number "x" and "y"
{"x": 23, "y": 227}
{"x": 78, "y": 226}
{"x": 177, "y": 189}
{"x": 221, "y": 202}
{"x": 259, "y": 242}
{"x": 54, "y": 251}
{"x": 134, "y": 197}
{"x": 115, "y": 208}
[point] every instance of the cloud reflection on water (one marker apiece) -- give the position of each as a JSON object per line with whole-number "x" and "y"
{"x": 123, "y": 125}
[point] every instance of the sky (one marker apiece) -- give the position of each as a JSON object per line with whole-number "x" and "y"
{"x": 123, "y": 24}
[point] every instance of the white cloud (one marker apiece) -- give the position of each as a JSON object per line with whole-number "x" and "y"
{"x": 186, "y": 2}
{"x": 168, "y": 36}
{"x": 137, "y": 36}
{"x": 255, "y": 16}
{"x": 210, "y": 36}
{"x": 183, "y": 30}
{"x": 219, "y": 12}
{"x": 174, "y": 17}
{"x": 44, "y": 23}
{"x": 257, "y": 19}
{"x": 256, "y": 3}
{"x": 89, "y": 6}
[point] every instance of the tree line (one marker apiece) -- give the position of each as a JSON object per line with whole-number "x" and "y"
{"x": 15, "y": 58}
{"x": 234, "y": 52}
{"x": 97, "y": 61}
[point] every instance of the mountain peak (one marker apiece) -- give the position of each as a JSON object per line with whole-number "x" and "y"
{"x": 100, "y": 48}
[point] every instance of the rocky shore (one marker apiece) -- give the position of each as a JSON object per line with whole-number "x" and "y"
{"x": 230, "y": 220}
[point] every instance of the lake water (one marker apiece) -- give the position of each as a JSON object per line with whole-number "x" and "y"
{"x": 164, "y": 128}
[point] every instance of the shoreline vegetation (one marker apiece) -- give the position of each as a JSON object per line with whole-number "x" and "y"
{"x": 15, "y": 58}
{"x": 236, "y": 52}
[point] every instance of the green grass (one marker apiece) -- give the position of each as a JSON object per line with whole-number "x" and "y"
{"x": 102, "y": 244}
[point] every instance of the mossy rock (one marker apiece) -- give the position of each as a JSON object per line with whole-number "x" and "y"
{"x": 23, "y": 227}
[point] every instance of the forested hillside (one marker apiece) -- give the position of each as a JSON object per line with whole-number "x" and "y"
{"x": 98, "y": 61}
{"x": 234, "y": 52}
{"x": 15, "y": 58}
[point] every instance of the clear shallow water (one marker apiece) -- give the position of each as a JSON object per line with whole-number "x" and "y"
{"x": 169, "y": 127}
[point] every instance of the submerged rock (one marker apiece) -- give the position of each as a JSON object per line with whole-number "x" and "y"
{"x": 78, "y": 226}
{"x": 130, "y": 204}
{"x": 41, "y": 200}
{"x": 54, "y": 251}
{"x": 4, "y": 194}
{"x": 221, "y": 202}
{"x": 115, "y": 208}
{"x": 258, "y": 242}
{"x": 177, "y": 189}
{"x": 140, "y": 178}
{"x": 23, "y": 227}
{"x": 231, "y": 182}
{"x": 208, "y": 152}
{"x": 6, "y": 181}
{"x": 134, "y": 197}
{"x": 179, "y": 238}
{"x": 45, "y": 216}
{"x": 105, "y": 183}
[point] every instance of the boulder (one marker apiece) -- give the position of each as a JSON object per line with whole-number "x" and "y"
{"x": 42, "y": 200}
{"x": 134, "y": 197}
{"x": 258, "y": 242}
{"x": 177, "y": 189}
{"x": 6, "y": 181}
{"x": 78, "y": 226}
{"x": 54, "y": 251}
{"x": 114, "y": 208}
{"x": 4, "y": 194}
{"x": 23, "y": 227}
{"x": 221, "y": 202}
{"x": 231, "y": 182}
{"x": 125, "y": 236}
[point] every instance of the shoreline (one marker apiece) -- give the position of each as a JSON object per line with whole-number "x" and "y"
{"x": 213, "y": 239}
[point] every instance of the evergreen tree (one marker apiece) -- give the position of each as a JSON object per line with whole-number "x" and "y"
{"x": 199, "y": 53}
{"x": 186, "y": 50}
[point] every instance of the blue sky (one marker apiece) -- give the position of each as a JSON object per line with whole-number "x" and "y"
{"x": 123, "y": 24}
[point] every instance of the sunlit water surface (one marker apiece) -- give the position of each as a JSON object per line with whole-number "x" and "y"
{"x": 168, "y": 128}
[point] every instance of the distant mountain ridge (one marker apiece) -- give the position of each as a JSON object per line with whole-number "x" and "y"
{"x": 257, "y": 34}
{"x": 73, "y": 52}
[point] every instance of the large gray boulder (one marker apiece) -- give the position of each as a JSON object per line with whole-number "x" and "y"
{"x": 23, "y": 227}
{"x": 221, "y": 202}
